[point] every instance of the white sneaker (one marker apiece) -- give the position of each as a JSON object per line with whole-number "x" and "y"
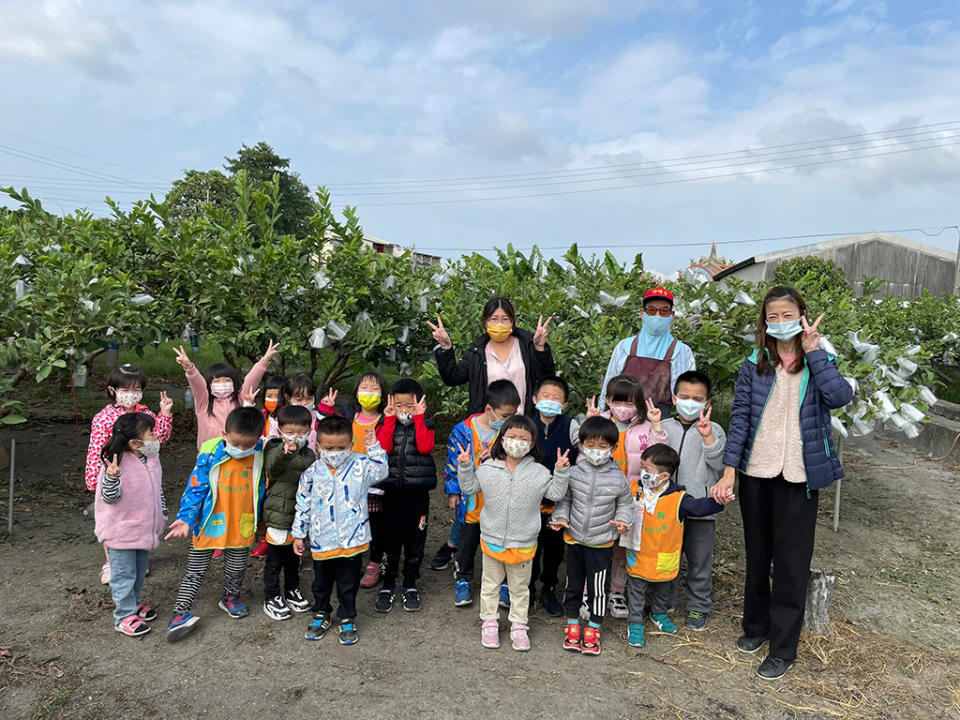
{"x": 276, "y": 609}
{"x": 617, "y": 606}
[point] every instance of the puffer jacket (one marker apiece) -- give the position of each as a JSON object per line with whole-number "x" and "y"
{"x": 595, "y": 496}
{"x": 510, "y": 517}
{"x": 822, "y": 388}
{"x": 283, "y": 479}
{"x": 412, "y": 467}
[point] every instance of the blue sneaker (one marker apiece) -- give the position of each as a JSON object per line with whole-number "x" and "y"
{"x": 464, "y": 597}
{"x": 347, "y": 633}
{"x": 181, "y": 625}
{"x": 318, "y": 626}
{"x": 664, "y": 623}
{"x": 233, "y": 606}
{"x": 504, "y": 596}
{"x": 635, "y": 634}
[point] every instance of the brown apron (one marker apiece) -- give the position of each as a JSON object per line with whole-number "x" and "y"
{"x": 652, "y": 374}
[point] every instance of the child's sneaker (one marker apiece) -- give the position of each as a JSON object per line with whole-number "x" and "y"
{"x": 384, "y": 601}
{"x": 590, "y": 645}
{"x": 664, "y": 623}
{"x": 443, "y": 558}
{"x": 504, "y": 596}
{"x": 105, "y": 573}
{"x": 696, "y": 620}
{"x": 146, "y": 613}
{"x": 260, "y": 550}
{"x": 463, "y": 595}
{"x": 571, "y": 637}
{"x": 617, "y": 607}
{"x": 233, "y": 606}
{"x": 347, "y": 632}
{"x": 132, "y": 626}
{"x": 296, "y": 601}
{"x": 371, "y": 576}
{"x": 318, "y": 626}
{"x": 276, "y": 608}
{"x": 519, "y": 637}
{"x": 550, "y": 603}
{"x": 635, "y": 634}
{"x": 181, "y": 625}
{"x": 490, "y": 634}
{"x": 411, "y": 600}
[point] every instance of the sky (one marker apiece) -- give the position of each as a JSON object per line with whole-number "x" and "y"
{"x": 653, "y": 126}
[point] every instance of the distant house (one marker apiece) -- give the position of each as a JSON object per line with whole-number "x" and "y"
{"x": 382, "y": 246}
{"x": 906, "y": 267}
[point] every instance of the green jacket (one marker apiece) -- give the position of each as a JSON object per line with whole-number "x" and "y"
{"x": 283, "y": 479}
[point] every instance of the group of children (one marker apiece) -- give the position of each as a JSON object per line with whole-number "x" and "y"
{"x": 622, "y": 495}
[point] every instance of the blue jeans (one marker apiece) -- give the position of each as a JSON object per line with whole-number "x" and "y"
{"x": 128, "y": 568}
{"x": 454, "y": 538}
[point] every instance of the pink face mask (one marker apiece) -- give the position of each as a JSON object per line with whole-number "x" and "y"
{"x": 623, "y": 413}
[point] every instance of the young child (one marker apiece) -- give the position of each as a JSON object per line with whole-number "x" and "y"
{"x": 218, "y": 391}
{"x": 475, "y": 434}
{"x": 638, "y": 422}
{"x": 701, "y": 463}
{"x": 300, "y": 390}
{"x": 557, "y": 432}
{"x": 406, "y": 500}
{"x": 125, "y": 386}
{"x": 597, "y": 506}
{"x": 129, "y": 515}
{"x": 513, "y": 483}
{"x": 220, "y": 508}
{"x": 332, "y": 510}
{"x": 653, "y": 543}
{"x": 272, "y": 396}
{"x": 285, "y": 459}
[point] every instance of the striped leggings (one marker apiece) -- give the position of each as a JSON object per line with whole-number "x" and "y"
{"x": 198, "y": 561}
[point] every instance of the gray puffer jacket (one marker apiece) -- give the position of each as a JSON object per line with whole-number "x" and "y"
{"x": 595, "y": 496}
{"x": 510, "y": 517}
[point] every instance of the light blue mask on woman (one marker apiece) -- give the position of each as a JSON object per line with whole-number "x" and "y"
{"x": 784, "y": 330}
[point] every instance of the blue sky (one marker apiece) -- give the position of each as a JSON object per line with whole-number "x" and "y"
{"x": 625, "y": 107}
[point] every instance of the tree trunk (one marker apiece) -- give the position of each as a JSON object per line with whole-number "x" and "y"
{"x": 335, "y": 373}
{"x": 313, "y": 363}
{"x": 89, "y": 357}
{"x": 19, "y": 377}
{"x": 816, "y": 616}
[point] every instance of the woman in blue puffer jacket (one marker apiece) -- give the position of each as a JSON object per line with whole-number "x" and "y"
{"x": 781, "y": 442}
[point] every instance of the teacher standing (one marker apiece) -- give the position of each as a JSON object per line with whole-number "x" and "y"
{"x": 503, "y": 352}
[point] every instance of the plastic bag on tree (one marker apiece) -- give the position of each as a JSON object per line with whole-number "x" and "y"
{"x": 388, "y": 283}
{"x": 895, "y": 378}
{"x": 570, "y": 291}
{"x": 88, "y": 304}
{"x": 713, "y": 306}
{"x": 949, "y": 337}
{"x": 852, "y": 381}
{"x": 897, "y": 420}
{"x": 237, "y": 270}
{"x": 22, "y": 261}
{"x": 320, "y": 279}
{"x": 866, "y": 350}
{"x": 862, "y": 427}
{"x": 20, "y": 289}
{"x": 392, "y": 355}
{"x": 362, "y": 317}
{"x": 404, "y": 336}
{"x": 860, "y": 410}
{"x": 885, "y": 403}
{"x": 907, "y": 367}
{"x": 837, "y": 424}
{"x": 927, "y": 396}
{"x": 55, "y": 247}
{"x": 825, "y": 344}
{"x": 597, "y": 309}
{"x": 583, "y": 313}
{"x": 912, "y": 413}
{"x": 337, "y": 331}
{"x": 743, "y": 298}
{"x": 694, "y": 277}
{"x": 424, "y": 303}
{"x": 911, "y": 430}
{"x": 912, "y": 350}
{"x": 318, "y": 339}
{"x": 142, "y": 299}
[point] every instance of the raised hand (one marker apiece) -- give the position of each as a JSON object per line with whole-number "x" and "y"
{"x": 248, "y": 399}
{"x": 166, "y": 405}
{"x": 391, "y": 409}
{"x": 541, "y": 333}
{"x": 592, "y": 409}
{"x": 563, "y": 461}
{"x": 653, "y": 412}
{"x": 178, "y": 529}
{"x": 440, "y": 334}
{"x": 485, "y": 453}
{"x": 559, "y": 525}
{"x": 272, "y": 351}
{"x": 331, "y": 398}
{"x": 704, "y": 426}
{"x": 182, "y": 359}
{"x": 370, "y": 437}
{"x": 420, "y": 407}
{"x": 113, "y": 468}
{"x": 811, "y": 335}
{"x": 621, "y": 527}
{"x": 289, "y": 446}
{"x": 464, "y": 457}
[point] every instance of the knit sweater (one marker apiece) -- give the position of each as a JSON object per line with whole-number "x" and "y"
{"x": 700, "y": 465}
{"x": 778, "y": 445}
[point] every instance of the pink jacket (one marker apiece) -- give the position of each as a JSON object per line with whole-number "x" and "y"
{"x": 102, "y": 427}
{"x": 135, "y": 521}
{"x": 210, "y": 426}
{"x": 639, "y": 437}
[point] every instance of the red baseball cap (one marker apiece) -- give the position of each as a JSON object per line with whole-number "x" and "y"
{"x": 658, "y": 293}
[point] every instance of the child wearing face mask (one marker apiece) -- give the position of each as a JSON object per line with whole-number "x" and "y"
{"x": 653, "y": 542}
{"x": 220, "y": 508}
{"x": 272, "y": 396}
{"x": 125, "y": 386}
{"x": 596, "y": 508}
{"x": 129, "y": 515}
{"x": 699, "y": 443}
{"x": 285, "y": 458}
{"x": 219, "y": 390}
{"x": 513, "y": 483}
{"x": 300, "y": 390}
{"x": 638, "y": 422}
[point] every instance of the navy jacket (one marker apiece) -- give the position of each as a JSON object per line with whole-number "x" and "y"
{"x": 822, "y": 388}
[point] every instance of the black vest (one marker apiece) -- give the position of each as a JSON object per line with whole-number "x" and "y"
{"x": 409, "y": 470}
{"x": 555, "y": 436}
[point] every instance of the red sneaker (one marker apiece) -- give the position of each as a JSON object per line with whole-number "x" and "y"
{"x": 261, "y": 549}
{"x": 571, "y": 638}
{"x": 371, "y": 576}
{"x": 591, "y": 641}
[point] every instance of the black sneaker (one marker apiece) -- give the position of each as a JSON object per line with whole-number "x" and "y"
{"x": 347, "y": 633}
{"x": 443, "y": 558}
{"x": 750, "y": 644}
{"x": 276, "y": 608}
{"x": 696, "y": 620}
{"x": 773, "y": 668}
{"x": 384, "y": 601}
{"x": 550, "y": 603}
{"x": 318, "y": 626}
{"x": 411, "y": 600}
{"x": 296, "y": 601}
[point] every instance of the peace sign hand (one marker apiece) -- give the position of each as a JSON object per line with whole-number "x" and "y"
{"x": 248, "y": 399}
{"x": 592, "y": 410}
{"x": 563, "y": 461}
{"x": 420, "y": 407}
{"x": 811, "y": 335}
{"x": 464, "y": 457}
{"x": 440, "y": 334}
{"x": 540, "y": 336}
{"x": 704, "y": 426}
{"x": 391, "y": 409}
{"x": 166, "y": 405}
{"x": 271, "y": 352}
{"x": 653, "y": 413}
{"x": 113, "y": 468}
{"x": 182, "y": 359}
{"x": 331, "y": 398}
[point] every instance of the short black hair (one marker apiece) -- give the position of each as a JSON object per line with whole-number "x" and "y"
{"x": 334, "y": 425}
{"x": 694, "y": 376}
{"x": 294, "y": 415}
{"x": 502, "y": 393}
{"x": 274, "y": 382}
{"x": 600, "y": 428}
{"x": 126, "y": 377}
{"x": 524, "y": 423}
{"x": 407, "y": 386}
{"x": 245, "y": 421}
{"x": 296, "y": 384}
{"x": 663, "y": 456}
{"x": 557, "y": 381}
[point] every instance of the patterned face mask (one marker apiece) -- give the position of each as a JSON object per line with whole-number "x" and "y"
{"x": 150, "y": 448}
{"x": 624, "y": 413}
{"x": 595, "y": 456}
{"x": 515, "y": 447}
{"x": 300, "y": 440}
{"x": 221, "y": 389}
{"x": 334, "y": 458}
{"x": 405, "y": 418}
{"x": 128, "y": 398}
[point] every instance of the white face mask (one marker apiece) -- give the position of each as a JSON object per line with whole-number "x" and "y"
{"x": 335, "y": 458}
{"x": 595, "y": 456}
{"x": 128, "y": 398}
{"x": 150, "y": 448}
{"x": 515, "y": 447}
{"x": 300, "y": 440}
{"x": 652, "y": 490}
{"x": 405, "y": 418}
{"x": 222, "y": 389}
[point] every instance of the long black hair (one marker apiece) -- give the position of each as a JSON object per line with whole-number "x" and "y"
{"x": 296, "y": 384}
{"x": 222, "y": 370}
{"x": 129, "y": 426}
{"x": 521, "y": 422}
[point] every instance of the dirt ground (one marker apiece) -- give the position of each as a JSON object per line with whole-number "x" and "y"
{"x": 894, "y": 651}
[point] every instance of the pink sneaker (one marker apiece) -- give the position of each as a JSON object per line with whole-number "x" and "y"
{"x": 490, "y": 634}
{"x": 261, "y": 549}
{"x": 519, "y": 637}
{"x": 371, "y": 576}
{"x": 133, "y": 626}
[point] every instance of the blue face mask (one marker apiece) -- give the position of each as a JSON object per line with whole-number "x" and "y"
{"x": 689, "y": 409}
{"x": 656, "y": 325}
{"x": 549, "y": 408}
{"x": 497, "y": 424}
{"x": 236, "y": 452}
{"x": 784, "y": 330}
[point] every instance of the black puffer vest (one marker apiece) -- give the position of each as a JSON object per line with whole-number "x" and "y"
{"x": 409, "y": 470}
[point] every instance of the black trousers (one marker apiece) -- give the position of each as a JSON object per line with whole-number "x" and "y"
{"x": 779, "y": 524}
{"x": 467, "y": 551}
{"x": 405, "y": 521}
{"x": 591, "y": 566}
{"x": 546, "y": 563}
{"x": 280, "y": 558}
{"x": 346, "y": 573}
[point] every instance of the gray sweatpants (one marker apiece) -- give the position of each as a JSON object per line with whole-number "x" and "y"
{"x": 698, "y": 537}
{"x": 637, "y": 597}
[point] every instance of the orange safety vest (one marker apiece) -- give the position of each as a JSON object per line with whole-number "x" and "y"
{"x": 475, "y": 502}
{"x": 232, "y": 522}
{"x": 360, "y": 434}
{"x": 620, "y": 456}
{"x": 661, "y": 538}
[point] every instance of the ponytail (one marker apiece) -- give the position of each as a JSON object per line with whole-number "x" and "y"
{"x": 129, "y": 426}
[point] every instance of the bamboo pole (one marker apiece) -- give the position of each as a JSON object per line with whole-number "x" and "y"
{"x": 13, "y": 462}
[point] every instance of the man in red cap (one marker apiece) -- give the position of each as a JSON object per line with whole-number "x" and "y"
{"x": 654, "y": 356}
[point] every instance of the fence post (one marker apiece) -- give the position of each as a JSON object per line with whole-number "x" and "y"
{"x": 13, "y": 462}
{"x": 836, "y": 496}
